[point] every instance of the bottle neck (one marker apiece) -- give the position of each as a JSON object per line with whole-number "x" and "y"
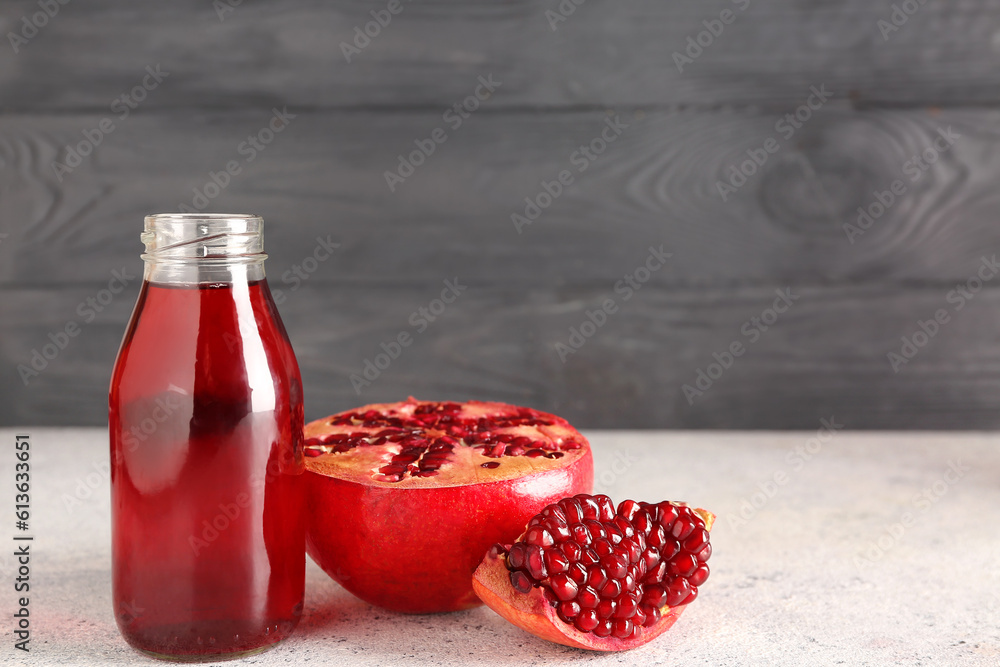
{"x": 166, "y": 272}
{"x": 195, "y": 249}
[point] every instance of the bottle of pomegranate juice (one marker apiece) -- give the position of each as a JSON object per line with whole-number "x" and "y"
{"x": 208, "y": 540}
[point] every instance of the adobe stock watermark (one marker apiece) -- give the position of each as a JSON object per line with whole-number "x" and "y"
{"x": 228, "y": 514}
{"x": 914, "y": 169}
{"x": 363, "y": 36}
{"x": 752, "y": 330}
{"x": 162, "y": 408}
{"x": 901, "y": 13}
{"x": 631, "y": 283}
{"x": 621, "y": 463}
{"x": 302, "y": 271}
{"x": 122, "y": 106}
{"x": 31, "y": 24}
{"x": 249, "y": 148}
{"x": 585, "y": 155}
{"x": 796, "y": 458}
{"x": 957, "y": 298}
{"x": 920, "y": 504}
{"x": 786, "y": 127}
{"x": 454, "y": 116}
{"x": 88, "y": 309}
{"x": 420, "y": 320}
{"x": 696, "y": 44}
{"x": 564, "y": 10}
{"x": 223, "y": 7}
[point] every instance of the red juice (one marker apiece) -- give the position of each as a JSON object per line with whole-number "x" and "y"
{"x": 208, "y": 538}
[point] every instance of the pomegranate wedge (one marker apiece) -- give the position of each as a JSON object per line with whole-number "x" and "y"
{"x": 588, "y": 575}
{"x": 405, "y": 498}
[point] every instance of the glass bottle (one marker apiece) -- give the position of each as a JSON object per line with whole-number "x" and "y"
{"x": 205, "y": 420}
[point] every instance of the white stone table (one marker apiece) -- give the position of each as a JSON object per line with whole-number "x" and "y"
{"x": 812, "y": 565}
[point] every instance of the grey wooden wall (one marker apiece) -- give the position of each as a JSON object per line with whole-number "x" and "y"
{"x": 892, "y": 93}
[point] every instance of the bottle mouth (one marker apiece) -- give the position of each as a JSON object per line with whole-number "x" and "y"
{"x": 223, "y": 237}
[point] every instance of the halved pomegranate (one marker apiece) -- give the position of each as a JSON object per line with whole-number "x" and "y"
{"x": 405, "y": 498}
{"x": 584, "y": 574}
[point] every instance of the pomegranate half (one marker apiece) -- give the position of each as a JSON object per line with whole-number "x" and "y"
{"x": 405, "y": 498}
{"x": 588, "y": 575}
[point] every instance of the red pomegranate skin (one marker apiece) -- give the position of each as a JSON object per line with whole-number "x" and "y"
{"x": 413, "y": 546}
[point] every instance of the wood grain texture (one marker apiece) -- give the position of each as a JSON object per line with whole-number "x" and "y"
{"x": 825, "y": 357}
{"x": 657, "y": 184}
{"x": 606, "y": 53}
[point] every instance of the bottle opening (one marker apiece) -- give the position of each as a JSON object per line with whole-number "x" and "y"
{"x": 202, "y": 247}
{"x": 193, "y": 236}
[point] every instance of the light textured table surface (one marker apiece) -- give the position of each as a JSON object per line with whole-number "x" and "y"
{"x": 817, "y": 574}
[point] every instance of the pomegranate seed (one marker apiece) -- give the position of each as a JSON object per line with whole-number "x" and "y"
{"x": 587, "y": 620}
{"x": 564, "y": 587}
{"x": 677, "y": 591}
{"x": 622, "y": 628}
{"x": 574, "y": 513}
{"x": 657, "y": 574}
{"x": 615, "y": 535}
{"x": 628, "y": 603}
{"x": 683, "y": 527}
{"x": 607, "y": 607}
{"x": 697, "y": 541}
{"x": 614, "y": 566}
{"x": 589, "y": 557}
{"x": 591, "y": 510}
{"x": 515, "y": 556}
{"x": 639, "y": 620}
{"x": 497, "y": 550}
{"x": 655, "y": 596}
{"x": 666, "y": 514}
{"x": 312, "y": 452}
{"x": 568, "y": 611}
{"x": 535, "y": 453}
{"x": 580, "y": 533}
{"x": 634, "y": 551}
{"x": 611, "y": 589}
{"x": 606, "y": 509}
{"x": 596, "y": 578}
{"x": 603, "y": 548}
{"x": 572, "y": 550}
{"x": 556, "y": 562}
{"x": 535, "y": 563}
{"x": 490, "y": 464}
{"x": 555, "y": 513}
{"x": 559, "y": 531}
{"x": 596, "y": 528}
{"x": 683, "y": 566}
{"x": 578, "y": 573}
{"x": 642, "y": 522}
{"x": 603, "y": 628}
{"x": 670, "y": 549}
{"x": 628, "y": 509}
{"x": 691, "y": 597}
{"x": 626, "y": 528}
{"x": 587, "y": 597}
{"x": 539, "y": 536}
{"x": 629, "y": 582}
{"x": 519, "y": 580}
{"x": 699, "y": 577}
{"x": 650, "y": 558}
{"x": 652, "y": 615}
{"x": 657, "y": 537}
{"x": 704, "y": 554}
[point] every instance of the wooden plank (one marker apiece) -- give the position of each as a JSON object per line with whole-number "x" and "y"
{"x": 431, "y": 54}
{"x": 324, "y": 175}
{"x": 824, "y": 357}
